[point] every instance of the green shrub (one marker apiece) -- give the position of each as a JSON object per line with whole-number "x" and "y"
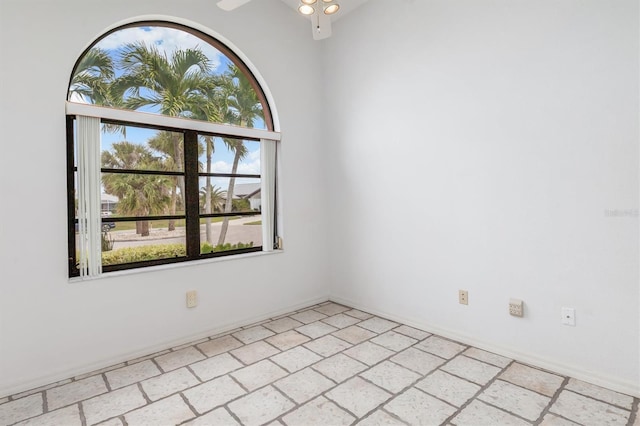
{"x": 207, "y": 248}
{"x": 161, "y": 251}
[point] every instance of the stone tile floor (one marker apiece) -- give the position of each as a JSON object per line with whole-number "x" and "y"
{"x": 324, "y": 365}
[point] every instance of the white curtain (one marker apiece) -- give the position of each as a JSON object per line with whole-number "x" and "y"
{"x": 89, "y": 221}
{"x": 268, "y": 192}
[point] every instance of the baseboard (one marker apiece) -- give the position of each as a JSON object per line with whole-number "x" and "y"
{"x": 613, "y": 383}
{"x": 15, "y": 388}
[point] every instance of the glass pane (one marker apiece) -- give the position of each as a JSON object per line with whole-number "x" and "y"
{"x": 126, "y": 69}
{"x": 241, "y": 232}
{"x": 214, "y": 195}
{"x": 129, "y": 194}
{"x": 138, "y": 148}
{"x": 144, "y": 240}
{"x": 217, "y": 155}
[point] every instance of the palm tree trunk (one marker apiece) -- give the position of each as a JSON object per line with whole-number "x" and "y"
{"x": 229, "y": 204}
{"x": 172, "y": 208}
{"x": 179, "y": 167}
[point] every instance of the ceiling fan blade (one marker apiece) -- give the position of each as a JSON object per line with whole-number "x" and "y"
{"x": 321, "y": 26}
{"x": 229, "y": 5}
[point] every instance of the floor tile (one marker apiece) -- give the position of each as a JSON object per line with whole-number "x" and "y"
{"x": 358, "y": 396}
{"x": 471, "y": 369}
{"x": 146, "y": 357}
{"x": 283, "y": 324}
{"x": 417, "y": 408}
{"x": 259, "y": 374}
{"x": 390, "y": 376}
{"x": 369, "y": 353}
{"x": 341, "y": 321}
{"x": 602, "y": 394}
{"x": 316, "y": 329}
{"x": 331, "y": 309}
{"x": 261, "y": 406}
{"x": 358, "y": 314}
{"x": 287, "y": 340}
{"x": 377, "y": 324}
{"x": 339, "y": 367}
{"x": 412, "y": 332}
{"x": 488, "y": 357}
{"x": 21, "y": 409}
{"x": 515, "y": 399}
{"x": 169, "y": 411}
{"x": 40, "y": 389}
{"x": 132, "y": 374}
{"x": 307, "y": 317}
{"x": 112, "y": 404}
{"x": 480, "y": 414}
{"x": 177, "y": 359}
{"x": 417, "y": 360}
{"x": 449, "y": 388}
{"x": 553, "y": 420}
{"x": 212, "y": 394}
{"x": 215, "y": 367}
{"x": 102, "y": 370}
{"x": 219, "y": 417}
{"x": 75, "y": 391}
{"x": 68, "y": 416}
{"x": 112, "y": 422}
{"x": 584, "y": 410}
{"x": 532, "y": 379}
{"x": 253, "y": 334}
{"x": 441, "y": 347}
{"x": 296, "y": 359}
{"x": 394, "y": 341}
{"x": 254, "y": 352}
{"x": 327, "y": 345}
{"x": 219, "y": 345}
{"x": 168, "y": 383}
{"x": 354, "y": 334}
{"x": 194, "y": 343}
{"x": 304, "y": 385}
{"x": 319, "y": 412}
{"x": 381, "y": 418}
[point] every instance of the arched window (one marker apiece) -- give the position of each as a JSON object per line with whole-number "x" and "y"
{"x": 171, "y": 152}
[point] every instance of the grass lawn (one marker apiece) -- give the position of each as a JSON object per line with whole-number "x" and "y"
{"x": 257, "y": 222}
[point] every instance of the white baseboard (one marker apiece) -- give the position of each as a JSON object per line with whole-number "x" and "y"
{"x": 613, "y": 383}
{"x": 15, "y": 388}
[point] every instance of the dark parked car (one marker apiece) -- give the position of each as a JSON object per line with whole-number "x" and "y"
{"x": 106, "y": 226}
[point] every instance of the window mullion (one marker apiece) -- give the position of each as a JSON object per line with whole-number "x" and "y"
{"x": 192, "y": 196}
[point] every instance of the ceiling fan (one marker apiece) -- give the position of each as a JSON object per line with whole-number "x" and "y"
{"x": 319, "y": 11}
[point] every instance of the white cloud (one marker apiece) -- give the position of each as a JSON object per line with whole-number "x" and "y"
{"x": 167, "y": 40}
{"x": 250, "y": 167}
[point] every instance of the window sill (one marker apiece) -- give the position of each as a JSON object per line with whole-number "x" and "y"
{"x": 75, "y": 280}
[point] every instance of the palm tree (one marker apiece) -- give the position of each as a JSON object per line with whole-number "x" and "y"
{"x": 214, "y": 196}
{"x": 171, "y": 85}
{"x": 92, "y": 78}
{"x": 243, "y": 108}
{"x": 139, "y": 194}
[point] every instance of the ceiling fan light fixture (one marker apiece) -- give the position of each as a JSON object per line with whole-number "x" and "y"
{"x": 305, "y": 9}
{"x": 327, "y": 1}
{"x": 331, "y": 9}
{"x": 308, "y": 1}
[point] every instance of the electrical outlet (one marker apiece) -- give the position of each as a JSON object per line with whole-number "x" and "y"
{"x": 192, "y": 299}
{"x": 569, "y": 316}
{"x": 463, "y": 297}
{"x": 516, "y": 307}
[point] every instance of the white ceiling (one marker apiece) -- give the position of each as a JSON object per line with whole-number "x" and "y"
{"x": 346, "y": 6}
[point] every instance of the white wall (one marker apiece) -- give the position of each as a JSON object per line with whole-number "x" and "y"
{"x": 49, "y": 328}
{"x": 478, "y": 145}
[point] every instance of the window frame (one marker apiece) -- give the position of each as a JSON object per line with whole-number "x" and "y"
{"x": 190, "y": 129}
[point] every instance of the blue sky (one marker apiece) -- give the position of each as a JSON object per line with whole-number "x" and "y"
{"x": 168, "y": 40}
